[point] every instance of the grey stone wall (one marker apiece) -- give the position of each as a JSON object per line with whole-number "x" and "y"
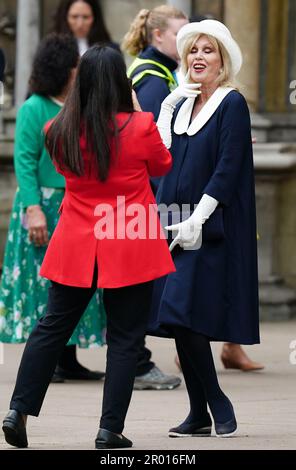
{"x": 7, "y": 191}
{"x": 118, "y": 14}
{"x": 7, "y": 39}
{"x": 212, "y": 8}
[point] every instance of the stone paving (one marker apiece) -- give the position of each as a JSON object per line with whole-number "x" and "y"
{"x": 265, "y": 401}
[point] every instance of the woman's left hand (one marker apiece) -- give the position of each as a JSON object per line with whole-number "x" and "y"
{"x": 189, "y": 234}
{"x": 37, "y": 225}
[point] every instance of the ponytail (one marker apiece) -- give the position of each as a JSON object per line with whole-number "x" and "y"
{"x": 140, "y": 34}
{"x": 136, "y": 39}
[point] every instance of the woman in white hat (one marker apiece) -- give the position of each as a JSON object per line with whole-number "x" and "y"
{"x": 213, "y": 295}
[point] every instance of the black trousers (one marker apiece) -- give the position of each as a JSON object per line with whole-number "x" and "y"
{"x": 127, "y": 311}
{"x": 144, "y": 364}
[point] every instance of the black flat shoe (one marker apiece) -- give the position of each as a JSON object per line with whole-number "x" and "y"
{"x": 227, "y": 429}
{"x": 80, "y": 374}
{"x": 201, "y": 428}
{"x": 14, "y": 429}
{"x": 109, "y": 440}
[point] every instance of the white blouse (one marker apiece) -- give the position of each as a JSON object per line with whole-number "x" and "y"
{"x": 82, "y": 45}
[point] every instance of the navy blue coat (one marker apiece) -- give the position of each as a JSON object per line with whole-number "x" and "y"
{"x": 215, "y": 289}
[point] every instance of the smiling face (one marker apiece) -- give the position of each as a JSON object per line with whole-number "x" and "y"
{"x": 80, "y": 19}
{"x": 204, "y": 61}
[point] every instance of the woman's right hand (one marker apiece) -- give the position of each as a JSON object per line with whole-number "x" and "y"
{"x": 37, "y": 225}
{"x": 185, "y": 90}
{"x": 137, "y": 106}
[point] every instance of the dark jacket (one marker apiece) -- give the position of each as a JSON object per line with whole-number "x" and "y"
{"x": 151, "y": 90}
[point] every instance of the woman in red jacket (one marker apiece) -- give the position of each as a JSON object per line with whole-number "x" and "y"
{"x": 106, "y": 152}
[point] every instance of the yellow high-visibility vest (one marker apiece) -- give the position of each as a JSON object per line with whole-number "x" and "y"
{"x": 164, "y": 72}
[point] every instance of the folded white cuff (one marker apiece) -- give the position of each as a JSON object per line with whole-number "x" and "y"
{"x": 205, "y": 208}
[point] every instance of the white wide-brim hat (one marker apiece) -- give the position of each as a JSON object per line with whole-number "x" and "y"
{"x": 217, "y": 30}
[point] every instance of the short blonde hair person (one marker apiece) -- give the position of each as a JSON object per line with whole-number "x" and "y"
{"x": 139, "y": 35}
{"x": 226, "y": 76}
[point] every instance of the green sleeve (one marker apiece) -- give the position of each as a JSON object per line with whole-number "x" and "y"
{"x": 27, "y": 152}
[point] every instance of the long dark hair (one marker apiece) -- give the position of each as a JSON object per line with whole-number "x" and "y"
{"x": 98, "y": 32}
{"x": 101, "y": 90}
{"x": 54, "y": 60}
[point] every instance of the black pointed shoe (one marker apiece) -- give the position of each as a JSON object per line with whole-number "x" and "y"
{"x": 201, "y": 428}
{"x": 14, "y": 429}
{"x": 109, "y": 440}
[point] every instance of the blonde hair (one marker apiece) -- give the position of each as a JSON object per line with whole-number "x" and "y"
{"x": 139, "y": 35}
{"x": 226, "y": 76}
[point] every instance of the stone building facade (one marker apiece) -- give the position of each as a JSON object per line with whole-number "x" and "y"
{"x": 265, "y": 30}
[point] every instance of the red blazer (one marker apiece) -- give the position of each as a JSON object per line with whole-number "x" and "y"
{"x": 78, "y": 240}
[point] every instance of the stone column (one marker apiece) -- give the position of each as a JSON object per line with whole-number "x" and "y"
{"x": 243, "y": 20}
{"x": 184, "y": 5}
{"x": 275, "y": 47}
{"x": 275, "y": 164}
{"x": 28, "y": 34}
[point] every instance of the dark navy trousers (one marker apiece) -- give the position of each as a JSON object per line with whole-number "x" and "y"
{"x": 127, "y": 310}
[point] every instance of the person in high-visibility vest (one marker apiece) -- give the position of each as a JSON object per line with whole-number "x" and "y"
{"x": 152, "y": 39}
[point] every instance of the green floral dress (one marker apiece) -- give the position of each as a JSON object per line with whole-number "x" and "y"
{"x": 23, "y": 293}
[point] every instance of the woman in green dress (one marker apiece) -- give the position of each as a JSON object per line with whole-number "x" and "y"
{"x": 23, "y": 293}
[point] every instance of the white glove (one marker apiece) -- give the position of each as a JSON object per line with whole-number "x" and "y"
{"x": 186, "y": 90}
{"x": 189, "y": 234}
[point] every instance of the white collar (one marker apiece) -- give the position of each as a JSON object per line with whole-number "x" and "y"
{"x": 182, "y": 122}
{"x": 58, "y": 102}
